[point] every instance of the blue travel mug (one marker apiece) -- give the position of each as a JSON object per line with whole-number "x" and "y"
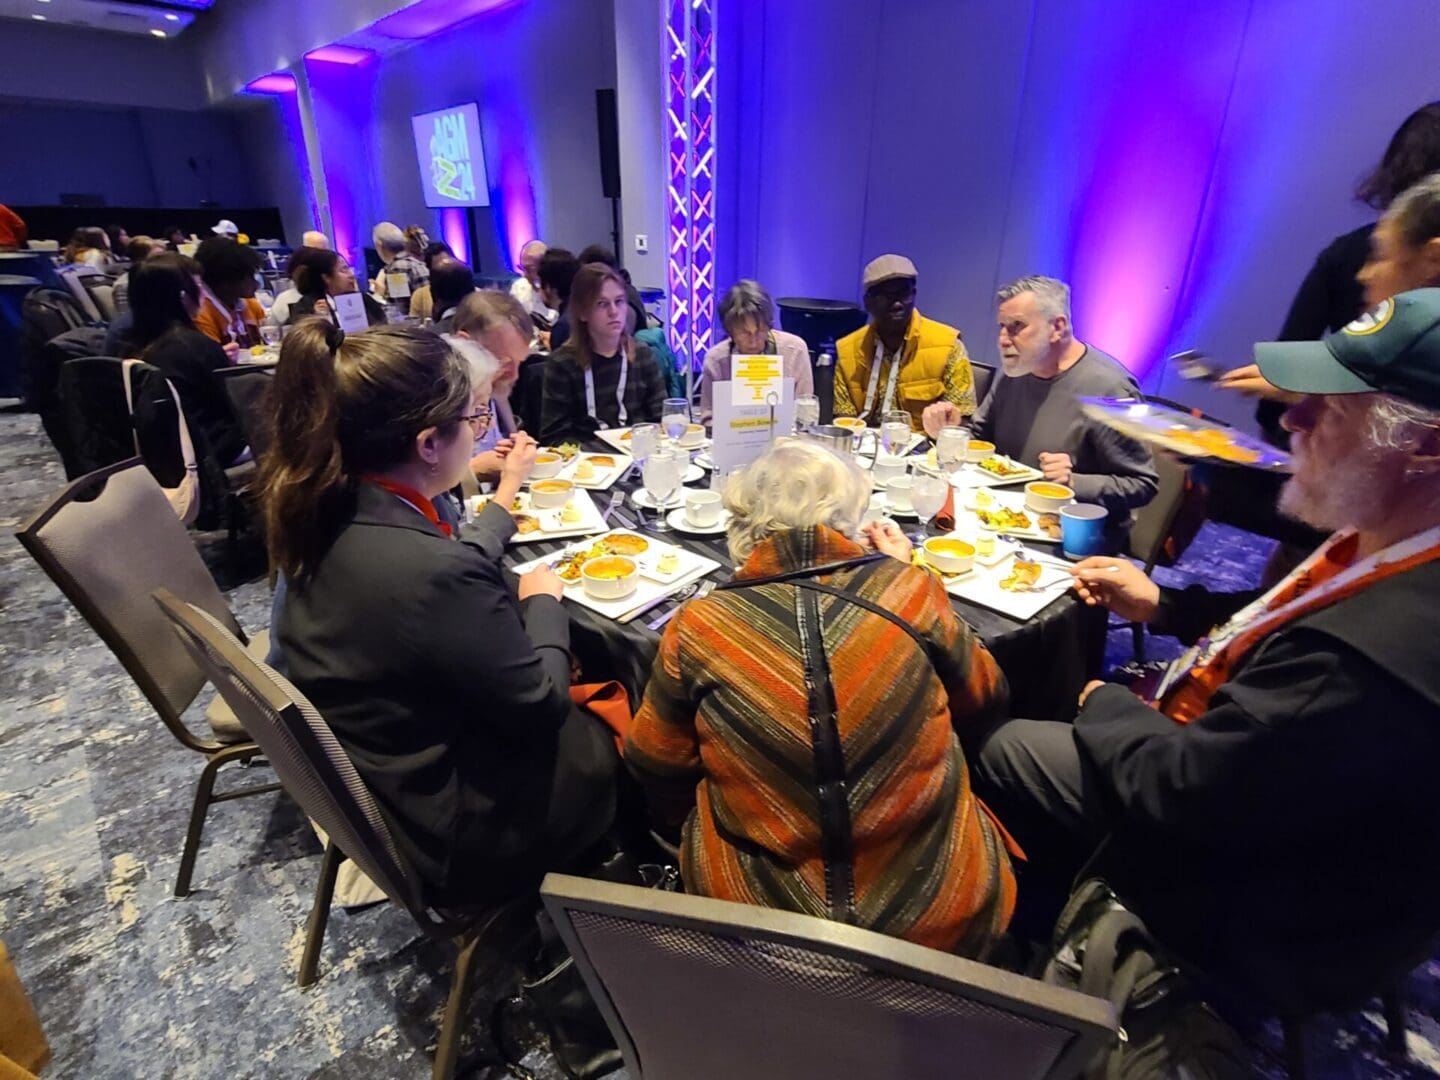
{"x": 1082, "y": 530}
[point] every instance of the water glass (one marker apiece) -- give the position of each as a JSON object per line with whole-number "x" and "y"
{"x": 927, "y": 496}
{"x": 663, "y": 472}
{"x": 675, "y": 417}
{"x": 807, "y": 411}
{"x": 644, "y": 438}
{"x": 270, "y": 335}
{"x": 895, "y": 431}
{"x": 950, "y": 447}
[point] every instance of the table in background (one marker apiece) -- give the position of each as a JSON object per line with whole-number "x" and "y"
{"x": 1047, "y": 659}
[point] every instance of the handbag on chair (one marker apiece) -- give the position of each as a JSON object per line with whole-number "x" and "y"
{"x": 185, "y": 497}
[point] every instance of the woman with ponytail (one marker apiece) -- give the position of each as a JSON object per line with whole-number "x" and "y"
{"x": 449, "y": 690}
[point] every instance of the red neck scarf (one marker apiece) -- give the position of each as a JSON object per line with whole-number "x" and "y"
{"x": 422, "y": 506}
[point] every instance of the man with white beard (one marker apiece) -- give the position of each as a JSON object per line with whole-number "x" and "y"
{"x": 1271, "y": 810}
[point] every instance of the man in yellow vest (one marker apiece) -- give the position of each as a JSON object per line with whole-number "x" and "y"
{"x": 901, "y": 360}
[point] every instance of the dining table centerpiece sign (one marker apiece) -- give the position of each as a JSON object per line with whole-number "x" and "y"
{"x": 741, "y": 432}
{"x": 754, "y": 378}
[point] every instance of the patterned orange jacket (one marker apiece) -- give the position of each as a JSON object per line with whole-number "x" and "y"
{"x": 728, "y": 738}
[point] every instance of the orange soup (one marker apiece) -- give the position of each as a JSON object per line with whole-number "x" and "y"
{"x": 958, "y": 548}
{"x": 981, "y": 446}
{"x": 546, "y": 459}
{"x": 609, "y": 568}
{"x": 552, "y": 487}
{"x": 1050, "y": 491}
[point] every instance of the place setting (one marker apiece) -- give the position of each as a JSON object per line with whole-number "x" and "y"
{"x": 582, "y": 468}
{"x": 550, "y": 509}
{"x": 622, "y": 574}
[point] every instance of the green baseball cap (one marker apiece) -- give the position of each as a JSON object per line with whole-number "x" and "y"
{"x": 1392, "y": 349}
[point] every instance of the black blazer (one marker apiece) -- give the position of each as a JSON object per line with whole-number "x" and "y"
{"x": 451, "y": 697}
{"x": 1287, "y": 839}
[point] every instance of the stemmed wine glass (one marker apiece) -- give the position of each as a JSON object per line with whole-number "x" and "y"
{"x": 663, "y": 472}
{"x": 675, "y": 417}
{"x": 895, "y": 431}
{"x": 927, "y": 495}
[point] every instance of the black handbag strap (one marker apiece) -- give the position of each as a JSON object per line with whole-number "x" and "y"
{"x": 801, "y": 579}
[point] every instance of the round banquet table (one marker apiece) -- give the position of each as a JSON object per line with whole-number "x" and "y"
{"x": 1047, "y": 659}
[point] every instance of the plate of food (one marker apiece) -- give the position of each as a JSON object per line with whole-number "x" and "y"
{"x": 653, "y": 567}
{"x": 1187, "y": 434}
{"x": 595, "y": 471}
{"x": 574, "y": 514}
{"x": 1019, "y": 585}
{"x": 1005, "y": 512}
{"x": 693, "y": 439}
{"x": 995, "y": 470}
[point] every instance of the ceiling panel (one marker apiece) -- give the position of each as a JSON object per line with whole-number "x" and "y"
{"x": 168, "y": 19}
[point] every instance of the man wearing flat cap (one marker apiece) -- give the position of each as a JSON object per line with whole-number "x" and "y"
{"x": 1270, "y": 807}
{"x": 900, "y": 360}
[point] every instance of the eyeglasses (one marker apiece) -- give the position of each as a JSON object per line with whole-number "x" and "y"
{"x": 479, "y": 419}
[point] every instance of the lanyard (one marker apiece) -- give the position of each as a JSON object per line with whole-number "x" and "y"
{"x": 413, "y": 499}
{"x": 239, "y": 329}
{"x": 1270, "y": 612}
{"x": 875, "y": 378}
{"x": 619, "y": 391}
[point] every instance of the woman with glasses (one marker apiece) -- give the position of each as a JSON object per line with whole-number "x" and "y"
{"x": 449, "y": 691}
{"x": 320, "y": 274}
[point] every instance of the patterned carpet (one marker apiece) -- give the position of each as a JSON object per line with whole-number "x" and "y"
{"x": 129, "y": 982}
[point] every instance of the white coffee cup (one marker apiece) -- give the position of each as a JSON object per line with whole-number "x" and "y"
{"x": 897, "y": 493}
{"x": 888, "y": 467}
{"x": 702, "y": 508}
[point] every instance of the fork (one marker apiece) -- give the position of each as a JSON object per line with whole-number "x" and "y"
{"x": 690, "y": 592}
{"x": 616, "y": 498}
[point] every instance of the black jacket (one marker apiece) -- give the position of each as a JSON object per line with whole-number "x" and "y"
{"x": 189, "y": 360}
{"x": 1288, "y": 839}
{"x": 452, "y": 698}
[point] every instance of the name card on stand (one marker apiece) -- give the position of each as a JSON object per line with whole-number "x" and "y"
{"x": 742, "y": 432}
{"x": 350, "y": 312}
{"x": 754, "y": 378}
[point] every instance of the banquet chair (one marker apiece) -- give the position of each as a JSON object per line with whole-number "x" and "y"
{"x": 984, "y": 375}
{"x": 678, "y": 978}
{"x": 246, "y": 385}
{"x": 1151, "y": 527}
{"x": 318, "y": 774}
{"x": 109, "y": 540}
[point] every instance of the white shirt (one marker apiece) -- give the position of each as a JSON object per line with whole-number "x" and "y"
{"x": 531, "y": 300}
{"x": 280, "y": 309}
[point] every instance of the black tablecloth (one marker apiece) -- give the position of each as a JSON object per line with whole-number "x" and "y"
{"x": 1047, "y": 659}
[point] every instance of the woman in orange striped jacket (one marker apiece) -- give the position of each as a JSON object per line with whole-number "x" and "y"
{"x": 802, "y": 721}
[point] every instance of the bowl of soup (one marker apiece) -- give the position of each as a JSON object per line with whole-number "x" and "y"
{"x": 854, "y": 423}
{"x": 694, "y": 435}
{"x": 547, "y": 494}
{"x": 610, "y": 577}
{"x": 949, "y": 554}
{"x": 978, "y": 450}
{"x": 546, "y": 464}
{"x": 1046, "y": 498}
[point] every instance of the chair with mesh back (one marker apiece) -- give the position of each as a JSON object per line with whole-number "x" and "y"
{"x": 711, "y": 990}
{"x": 109, "y": 540}
{"x": 247, "y": 387}
{"x": 319, "y": 775}
{"x": 1152, "y": 524}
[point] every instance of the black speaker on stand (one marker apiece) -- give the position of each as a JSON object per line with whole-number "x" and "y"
{"x": 607, "y": 125}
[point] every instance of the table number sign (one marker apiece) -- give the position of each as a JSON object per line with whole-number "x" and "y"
{"x": 742, "y": 432}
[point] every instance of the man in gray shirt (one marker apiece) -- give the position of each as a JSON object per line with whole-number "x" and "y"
{"x": 1032, "y": 412}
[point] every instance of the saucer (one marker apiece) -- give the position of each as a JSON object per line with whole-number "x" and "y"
{"x": 681, "y": 523}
